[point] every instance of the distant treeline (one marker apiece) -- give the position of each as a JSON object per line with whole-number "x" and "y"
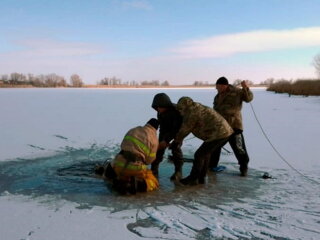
{"x": 54, "y": 80}
{"x": 303, "y": 87}
{"x": 114, "y": 81}
{"x": 30, "y": 80}
{"x": 298, "y": 87}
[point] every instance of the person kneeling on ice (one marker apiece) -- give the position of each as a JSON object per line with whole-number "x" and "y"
{"x": 128, "y": 170}
{"x": 206, "y": 124}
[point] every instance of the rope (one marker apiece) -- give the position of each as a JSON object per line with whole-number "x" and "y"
{"x": 278, "y": 153}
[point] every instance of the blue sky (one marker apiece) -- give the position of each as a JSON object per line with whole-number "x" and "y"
{"x": 180, "y": 41}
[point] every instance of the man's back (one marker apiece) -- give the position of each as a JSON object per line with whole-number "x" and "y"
{"x": 229, "y": 104}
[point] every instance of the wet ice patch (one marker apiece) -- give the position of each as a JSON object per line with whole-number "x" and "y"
{"x": 69, "y": 175}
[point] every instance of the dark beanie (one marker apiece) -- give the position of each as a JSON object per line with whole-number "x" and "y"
{"x": 154, "y": 123}
{"x": 222, "y": 81}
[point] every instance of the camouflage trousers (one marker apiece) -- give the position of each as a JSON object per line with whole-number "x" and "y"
{"x": 202, "y": 158}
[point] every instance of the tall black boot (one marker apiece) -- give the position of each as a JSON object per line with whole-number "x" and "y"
{"x": 192, "y": 179}
{"x": 243, "y": 170}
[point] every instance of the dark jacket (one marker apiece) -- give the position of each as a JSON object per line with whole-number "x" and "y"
{"x": 170, "y": 120}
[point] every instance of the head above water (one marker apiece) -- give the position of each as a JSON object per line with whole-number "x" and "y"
{"x": 154, "y": 123}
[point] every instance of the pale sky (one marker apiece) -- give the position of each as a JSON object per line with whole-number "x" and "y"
{"x": 179, "y": 41}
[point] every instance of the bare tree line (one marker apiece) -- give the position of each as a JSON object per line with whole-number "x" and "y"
{"x": 114, "y": 81}
{"x": 54, "y": 80}
{"x": 236, "y": 82}
{"x": 49, "y": 80}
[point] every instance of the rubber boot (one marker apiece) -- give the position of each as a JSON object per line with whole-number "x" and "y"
{"x": 192, "y": 179}
{"x": 201, "y": 180}
{"x": 243, "y": 170}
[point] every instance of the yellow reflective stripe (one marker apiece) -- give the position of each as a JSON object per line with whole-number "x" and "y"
{"x": 141, "y": 145}
{"x": 130, "y": 166}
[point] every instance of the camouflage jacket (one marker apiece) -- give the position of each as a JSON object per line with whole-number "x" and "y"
{"x": 142, "y": 142}
{"x": 229, "y": 104}
{"x": 202, "y": 121}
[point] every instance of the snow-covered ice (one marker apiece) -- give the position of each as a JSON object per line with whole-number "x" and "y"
{"x": 50, "y": 140}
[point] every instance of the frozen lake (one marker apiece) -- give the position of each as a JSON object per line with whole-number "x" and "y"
{"x": 50, "y": 140}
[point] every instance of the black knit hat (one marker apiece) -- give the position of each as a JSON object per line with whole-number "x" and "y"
{"x": 222, "y": 81}
{"x": 154, "y": 123}
{"x": 161, "y": 100}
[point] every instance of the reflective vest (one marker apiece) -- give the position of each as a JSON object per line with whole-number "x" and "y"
{"x": 140, "y": 144}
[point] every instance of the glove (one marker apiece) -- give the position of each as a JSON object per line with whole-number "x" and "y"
{"x": 175, "y": 144}
{"x": 162, "y": 145}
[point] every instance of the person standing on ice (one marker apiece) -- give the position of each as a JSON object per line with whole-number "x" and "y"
{"x": 170, "y": 121}
{"x": 206, "y": 124}
{"x": 128, "y": 170}
{"x": 228, "y": 102}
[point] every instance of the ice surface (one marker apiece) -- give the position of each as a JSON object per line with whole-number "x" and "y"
{"x": 52, "y": 138}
